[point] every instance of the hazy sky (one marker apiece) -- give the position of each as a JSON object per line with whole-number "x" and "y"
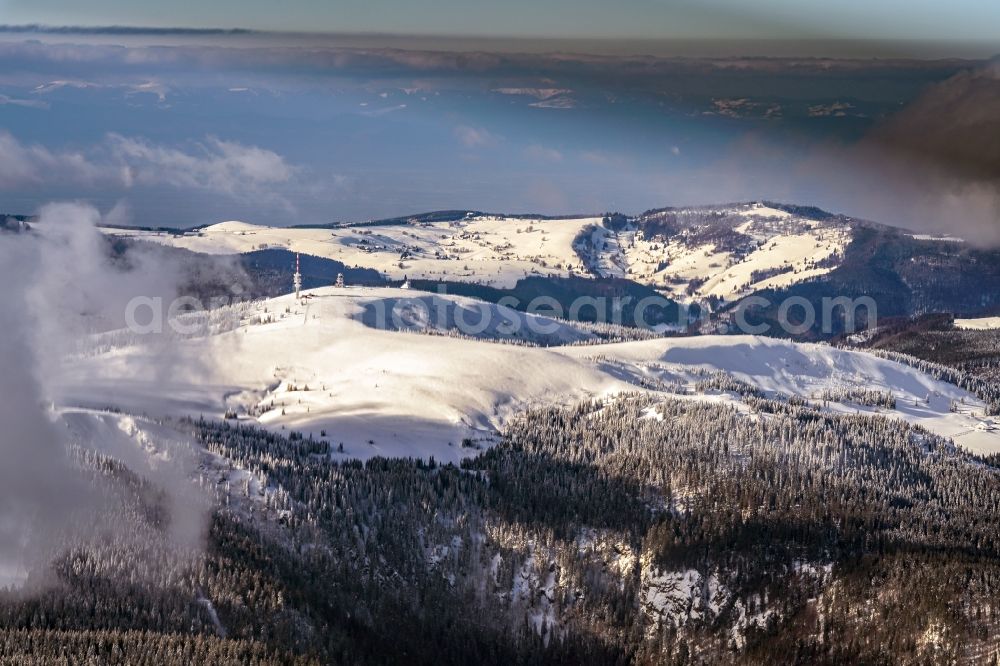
{"x": 178, "y": 129}
{"x": 793, "y": 19}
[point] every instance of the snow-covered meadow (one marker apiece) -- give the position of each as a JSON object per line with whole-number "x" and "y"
{"x": 322, "y": 365}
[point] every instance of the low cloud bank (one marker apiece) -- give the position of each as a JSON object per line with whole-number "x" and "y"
{"x": 59, "y": 284}
{"x": 215, "y": 165}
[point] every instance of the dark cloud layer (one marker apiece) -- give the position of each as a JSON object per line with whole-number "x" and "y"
{"x": 939, "y": 157}
{"x": 334, "y": 57}
{"x": 954, "y": 125}
{"x": 40, "y": 29}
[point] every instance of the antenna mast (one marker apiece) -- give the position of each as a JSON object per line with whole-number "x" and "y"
{"x": 297, "y": 278}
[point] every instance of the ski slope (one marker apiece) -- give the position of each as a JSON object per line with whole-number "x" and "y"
{"x": 318, "y": 366}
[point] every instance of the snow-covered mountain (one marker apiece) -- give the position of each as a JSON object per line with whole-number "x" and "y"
{"x": 490, "y": 250}
{"x": 719, "y": 251}
{"x": 706, "y": 255}
{"x": 731, "y": 251}
{"x": 326, "y": 366}
{"x": 690, "y": 495}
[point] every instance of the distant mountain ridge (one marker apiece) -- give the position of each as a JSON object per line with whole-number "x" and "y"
{"x": 712, "y": 257}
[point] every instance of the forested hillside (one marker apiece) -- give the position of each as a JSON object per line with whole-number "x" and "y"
{"x": 935, "y": 338}
{"x": 905, "y": 276}
{"x": 636, "y": 530}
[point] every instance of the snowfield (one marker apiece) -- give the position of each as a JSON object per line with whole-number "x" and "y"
{"x": 785, "y": 368}
{"x": 318, "y": 366}
{"x": 778, "y": 250}
{"x": 490, "y": 250}
{"x": 722, "y": 251}
{"x": 980, "y": 324}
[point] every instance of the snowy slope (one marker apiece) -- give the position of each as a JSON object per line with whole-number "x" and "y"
{"x": 785, "y": 368}
{"x": 318, "y": 366}
{"x": 721, "y": 251}
{"x": 731, "y": 251}
{"x": 324, "y": 369}
{"x": 488, "y": 250}
{"x": 980, "y": 324}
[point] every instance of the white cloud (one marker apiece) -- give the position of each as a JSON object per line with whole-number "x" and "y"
{"x": 381, "y": 112}
{"x": 151, "y": 87}
{"x": 30, "y": 103}
{"x": 474, "y": 137}
{"x": 226, "y": 167}
{"x": 222, "y": 166}
{"x": 537, "y": 93}
{"x": 22, "y": 165}
{"x": 57, "y": 85}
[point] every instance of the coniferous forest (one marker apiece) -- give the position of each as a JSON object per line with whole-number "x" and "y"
{"x": 634, "y": 530}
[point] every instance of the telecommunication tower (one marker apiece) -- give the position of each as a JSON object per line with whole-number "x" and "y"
{"x": 297, "y": 278}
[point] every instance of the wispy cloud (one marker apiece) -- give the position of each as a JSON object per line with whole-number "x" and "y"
{"x": 474, "y": 137}
{"x": 375, "y": 113}
{"x": 29, "y": 103}
{"x": 603, "y": 158}
{"x": 543, "y": 153}
{"x": 22, "y": 164}
{"x": 150, "y": 87}
{"x": 537, "y": 93}
{"x": 216, "y": 165}
{"x": 52, "y": 86}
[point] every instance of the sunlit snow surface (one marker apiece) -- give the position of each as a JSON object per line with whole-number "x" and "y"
{"x": 489, "y": 250}
{"x": 980, "y": 324}
{"x": 316, "y": 365}
{"x": 783, "y": 249}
